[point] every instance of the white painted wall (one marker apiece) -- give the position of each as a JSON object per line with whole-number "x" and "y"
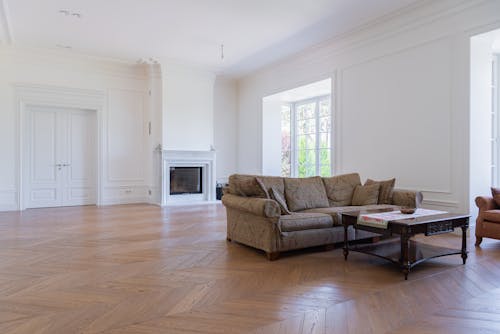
{"x": 401, "y": 98}
{"x": 188, "y": 102}
{"x": 155, "y": 111}
{"x": 271, "y": 135}
{"x": 480, "y": 120}
{"x": 225, "y": 127}
{"x": 123, "y": 118}
{"x": 180, "y": 109}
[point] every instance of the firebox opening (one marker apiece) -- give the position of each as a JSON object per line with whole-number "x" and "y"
{"x": 185, "y": 180}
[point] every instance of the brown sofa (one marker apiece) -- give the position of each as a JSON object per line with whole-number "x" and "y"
{"x": 277, "y": 214}
{"x": 488, "y": 219}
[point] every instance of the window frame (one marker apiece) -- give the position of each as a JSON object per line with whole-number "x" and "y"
{"x": 293, "y": 131}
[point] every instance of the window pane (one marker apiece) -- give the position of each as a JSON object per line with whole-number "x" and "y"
{"x": 311, "y": 126}
{"x": 301, "y": 142}
{"x": 324, "y": 124}
{"x": 286, "y": 164}
{"x": 306, "y": 110}
{"x": 301, "y": 166}
{"x": 311, "y": 157}
{"x": 324, "y": 140}
{"x": 311, "y": 141}
{"x": 310, "y": 170}
{"x": 286, "y": 140}
{"x": 306, "y": 161}
{"x": 324, "y": 170}
{"x": 324, "y": 156}
{"x": 324, "y": 108}
{"x": 301, "y": 127}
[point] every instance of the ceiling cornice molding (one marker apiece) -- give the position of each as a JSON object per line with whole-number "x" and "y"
{"x": 5, "y": 26}
{"x": 75, "y": 62}
{"x": 410, "y": 17}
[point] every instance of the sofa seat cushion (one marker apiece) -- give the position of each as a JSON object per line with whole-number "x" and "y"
{"x": 336, "y": 211}
{"x": 305, "y": 221}
{"x": 492, "y": 216}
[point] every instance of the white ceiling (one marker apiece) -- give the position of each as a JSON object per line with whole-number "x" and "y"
{"x": 315, "y": 89}
{"x": 254, "y": 32}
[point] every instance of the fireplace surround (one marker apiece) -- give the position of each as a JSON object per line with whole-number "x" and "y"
{"x": 193, "y": 176}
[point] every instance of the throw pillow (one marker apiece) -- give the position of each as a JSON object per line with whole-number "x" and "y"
{"x": 495, "y": 192}
{"x": 386, "y": 189}
{"x": 366, "y": 195}
{"x": 278, "y": 197}
{"x": 340, "y": 188}
{"x": 262, "y": 187}
{"x": 305, "y": 193}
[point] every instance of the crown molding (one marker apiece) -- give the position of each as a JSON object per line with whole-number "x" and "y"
{"x": 414, "y": 16}
{"x": 74, "y": 62}
{"x": 5, "y": 27}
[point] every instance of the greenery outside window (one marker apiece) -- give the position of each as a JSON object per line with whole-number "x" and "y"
{"x": 306, "y": 138}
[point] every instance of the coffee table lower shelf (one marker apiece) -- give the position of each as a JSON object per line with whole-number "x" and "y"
{"x": 391, "y": 250}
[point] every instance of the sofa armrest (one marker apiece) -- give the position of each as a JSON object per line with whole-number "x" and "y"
{"x": 485, "y": 203}
{"x": 409, "y": 198}
{"x": 258, "y": 206}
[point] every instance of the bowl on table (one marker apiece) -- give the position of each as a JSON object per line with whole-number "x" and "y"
{"x": 407, "y": 210}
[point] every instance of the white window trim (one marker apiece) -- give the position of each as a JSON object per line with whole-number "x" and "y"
{"x": 293, "y": 131}
{"x": 495, "y": 97}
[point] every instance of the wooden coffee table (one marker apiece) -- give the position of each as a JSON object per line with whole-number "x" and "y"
{"x": 402, "y": 251}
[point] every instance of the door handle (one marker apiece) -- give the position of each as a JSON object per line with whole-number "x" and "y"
{"x": 60, "y": 166}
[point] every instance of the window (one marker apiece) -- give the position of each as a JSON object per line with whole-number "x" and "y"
{"x": 306, "y": 138}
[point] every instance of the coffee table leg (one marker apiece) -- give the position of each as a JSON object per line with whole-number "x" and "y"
{"x": 464, "y": 244}
{"x": 346, "y": 243}
{"x": 405, "y": 252}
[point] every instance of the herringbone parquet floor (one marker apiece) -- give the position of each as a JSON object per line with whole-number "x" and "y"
{"x": 143, "y": 269}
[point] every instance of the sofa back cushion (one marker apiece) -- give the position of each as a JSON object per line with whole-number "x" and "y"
{"x": 340, "y": 188}
{"x": 305, "y": 193}
{"x": 245, "y": 185}
{"x": 248, "y": 186}
{"x": 275, "y": 182}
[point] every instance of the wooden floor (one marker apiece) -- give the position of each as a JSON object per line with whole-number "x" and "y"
{"x": 142, "y": 269}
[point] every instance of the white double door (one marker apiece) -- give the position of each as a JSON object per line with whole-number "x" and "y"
{"x": 60, "y": 156}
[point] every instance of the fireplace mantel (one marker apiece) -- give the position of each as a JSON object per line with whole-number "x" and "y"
{"x": 204, "y": 159}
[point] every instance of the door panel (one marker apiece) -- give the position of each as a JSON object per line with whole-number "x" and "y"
{"x": 62, "y": 157}
{"x": 44, "y": 187}
{"x": 80, "y": 171}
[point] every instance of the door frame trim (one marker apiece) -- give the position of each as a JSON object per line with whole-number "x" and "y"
{"x": 61, "y": 97}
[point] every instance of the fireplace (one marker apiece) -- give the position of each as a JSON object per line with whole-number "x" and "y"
{"x": 186, "y": 180}
{"x": 188, "y": 177}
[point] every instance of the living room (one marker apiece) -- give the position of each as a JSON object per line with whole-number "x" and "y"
{"x": 107, "y": 107}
